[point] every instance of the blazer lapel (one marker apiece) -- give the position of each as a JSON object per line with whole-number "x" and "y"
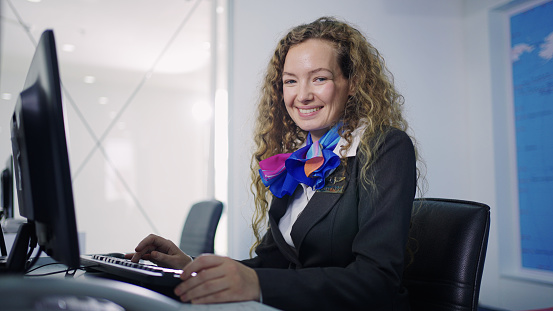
{"x": 320, "y": 204}
{"x": 277, "y": 210}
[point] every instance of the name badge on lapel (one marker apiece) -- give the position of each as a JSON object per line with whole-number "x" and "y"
{"x": 336, "y": 182}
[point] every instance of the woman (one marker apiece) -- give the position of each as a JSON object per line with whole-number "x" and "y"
{"x": 334, "y": 177}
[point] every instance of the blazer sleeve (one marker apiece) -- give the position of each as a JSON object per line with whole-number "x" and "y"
{"x": 268, "y": 254}
{"x": 372, "y": 280}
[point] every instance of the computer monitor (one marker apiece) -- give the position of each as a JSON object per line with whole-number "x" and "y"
{"x": 7, "y": 190}
{"x": 41, "y": 165}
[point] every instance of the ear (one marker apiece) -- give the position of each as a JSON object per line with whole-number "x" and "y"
{"x": 352, "y": 87}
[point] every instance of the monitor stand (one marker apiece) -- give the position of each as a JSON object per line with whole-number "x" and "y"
{"x": 17, "y": 259}
{"x": 3, "y": 250}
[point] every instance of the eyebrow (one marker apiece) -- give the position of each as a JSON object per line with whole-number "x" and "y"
{"x": 310, "y": 72}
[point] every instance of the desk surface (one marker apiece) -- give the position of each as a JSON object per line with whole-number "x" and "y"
{"x": 37, "y": 289}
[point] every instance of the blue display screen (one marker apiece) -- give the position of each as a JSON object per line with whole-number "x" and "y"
{"x": 532, "y": 67}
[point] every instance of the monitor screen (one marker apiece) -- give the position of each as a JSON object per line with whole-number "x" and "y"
{"x": 41, "y": 162}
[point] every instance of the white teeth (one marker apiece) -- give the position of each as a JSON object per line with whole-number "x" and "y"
{"x": 309, "y": 110}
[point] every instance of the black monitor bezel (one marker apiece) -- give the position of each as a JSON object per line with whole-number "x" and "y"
{"x": 40, "y": 156}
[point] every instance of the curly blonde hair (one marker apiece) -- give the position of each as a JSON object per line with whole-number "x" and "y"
{"x": 375, "y": 102}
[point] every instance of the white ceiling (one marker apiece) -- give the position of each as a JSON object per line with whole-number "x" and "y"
{"x": 116, "y": 41}
{"x": 127, "y": 35}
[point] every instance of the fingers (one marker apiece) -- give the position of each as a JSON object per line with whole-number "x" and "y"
{"x": 202, "y": 262}
{"x": 211, "y": 278}
{"x": 154, "y": 242}
{"x": 138, "y": 257}
{"x": 176, "y": 261}
{"x": 203, "y": 284}
{"x": 160, "y": 251}
{"x": 144, "y": 254}
{"x": 151, "y": 243}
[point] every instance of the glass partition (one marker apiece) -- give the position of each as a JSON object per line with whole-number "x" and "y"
{"x": 140, "y": 80}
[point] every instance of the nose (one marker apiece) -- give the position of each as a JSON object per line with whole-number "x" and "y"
{"x": 305, "y": 93}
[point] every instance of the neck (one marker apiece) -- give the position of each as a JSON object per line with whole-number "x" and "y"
{"x": 315, "y": 137}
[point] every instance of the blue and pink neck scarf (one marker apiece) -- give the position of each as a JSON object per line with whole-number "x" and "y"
{"x": 309, "y": 165}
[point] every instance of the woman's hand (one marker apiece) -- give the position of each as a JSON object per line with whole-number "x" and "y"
{"x": 214, "y": 279}
{"x": 160, "y": 251}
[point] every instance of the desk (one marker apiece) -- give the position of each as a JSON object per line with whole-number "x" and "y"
{"x": 28, "y": 292}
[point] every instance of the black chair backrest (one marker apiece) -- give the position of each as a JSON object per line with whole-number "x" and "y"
{"x": 198, "y": 232}
{"x": 449, "y": 239}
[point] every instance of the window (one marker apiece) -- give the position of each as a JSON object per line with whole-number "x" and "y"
{"x": 139, "y": 84}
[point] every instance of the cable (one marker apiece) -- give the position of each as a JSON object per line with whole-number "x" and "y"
{"x": 49, "y": 273}
{"x": 66, "y": 270}
{"x": 42, "y": 266}
{"x": 34, "y": 260}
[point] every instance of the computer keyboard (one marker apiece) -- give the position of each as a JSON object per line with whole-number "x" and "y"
{"x": 144, "y": 274}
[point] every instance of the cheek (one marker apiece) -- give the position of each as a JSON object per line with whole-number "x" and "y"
{"x": 328, "y": 94}
{"x": 337, "y": 94}
{"x": 288, "y": 97}
{"x": 335, "y": 99}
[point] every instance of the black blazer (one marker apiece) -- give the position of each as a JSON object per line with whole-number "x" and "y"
{"x": 350, "y": 239}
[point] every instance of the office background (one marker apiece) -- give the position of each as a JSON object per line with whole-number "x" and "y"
{"x": 137, "y": 92}
{"x": 439, "y": 51}
{"x": 441, "y": 55}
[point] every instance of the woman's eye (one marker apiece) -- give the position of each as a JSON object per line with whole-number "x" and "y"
{"x": 289, "y": 81}
{"x": 320, "y": 79}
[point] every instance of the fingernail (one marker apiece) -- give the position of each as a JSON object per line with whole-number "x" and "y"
{"x": 183, "y": 297}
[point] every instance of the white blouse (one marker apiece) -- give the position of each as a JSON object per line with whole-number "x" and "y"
{"x": 303, "y": 194}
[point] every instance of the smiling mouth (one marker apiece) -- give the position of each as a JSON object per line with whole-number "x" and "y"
{"x": 310, "y": 110}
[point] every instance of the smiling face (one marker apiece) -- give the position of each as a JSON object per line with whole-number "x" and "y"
{"x": 314, "y": 88}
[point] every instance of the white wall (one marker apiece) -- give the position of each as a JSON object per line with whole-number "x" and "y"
{"x": 497, "y": 289}
{"x": 439, "y": 53}
{"x": 430, "y": 76}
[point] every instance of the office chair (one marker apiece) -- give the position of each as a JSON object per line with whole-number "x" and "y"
{"x": 449, "y": 239}
{"x": 198, "y": 233}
